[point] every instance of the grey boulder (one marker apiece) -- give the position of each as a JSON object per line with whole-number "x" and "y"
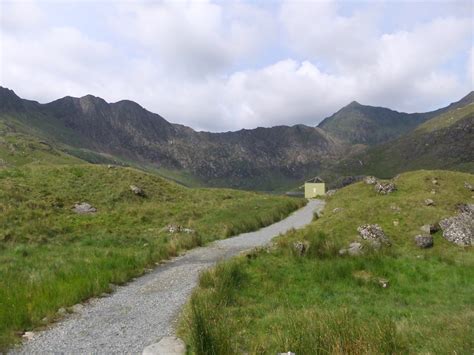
{"x": 424, "y": 241}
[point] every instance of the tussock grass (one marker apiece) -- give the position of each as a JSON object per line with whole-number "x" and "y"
{"x": 51, "y": 257}
{"x": 323, "y": 303}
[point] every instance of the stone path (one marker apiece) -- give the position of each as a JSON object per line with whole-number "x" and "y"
{"x": 143, "y": 311}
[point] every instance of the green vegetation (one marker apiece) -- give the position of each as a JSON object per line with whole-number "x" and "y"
{"x": 51, "y": 257}
{"x": 273, "y": 300}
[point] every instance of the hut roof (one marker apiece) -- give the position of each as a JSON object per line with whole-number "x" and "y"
{"x": 316, "y": 179}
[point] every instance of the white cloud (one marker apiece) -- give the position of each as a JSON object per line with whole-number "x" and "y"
{"x": 221, "y": 66}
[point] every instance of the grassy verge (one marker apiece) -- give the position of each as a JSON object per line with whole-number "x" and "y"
{"x": 51, "y": 257}
{"x": 275, "y": 300}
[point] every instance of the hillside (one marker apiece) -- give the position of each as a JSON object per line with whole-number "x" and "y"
{"x": 443, "y": 142}
{"x": 362, "y": 124}
{"x": 303, "y": 294}
{"x": 52, "y": 257}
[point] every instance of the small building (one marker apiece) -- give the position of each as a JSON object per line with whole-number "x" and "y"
{"x": 314, "y": 187}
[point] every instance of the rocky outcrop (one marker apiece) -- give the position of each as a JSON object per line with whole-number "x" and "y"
{"x": 459, "y": 229}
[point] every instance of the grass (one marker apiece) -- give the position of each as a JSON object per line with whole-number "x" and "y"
{"x": 273, "y": 300}
{"x": 51, "y": 257}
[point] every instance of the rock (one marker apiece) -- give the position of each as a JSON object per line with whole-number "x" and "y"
{"x": 166, "y": 346}
{"x": 77, "y": 308}
{"x": 337, "y": 209}
{"x": 385, "y": 188}
{"x": 469, "y": 186}
{"x": 28, "y": 335}
{"x": 429, "y": 202}
{"x": 84, "y": 208}
{"x": 370, "y": 180}
{"x": 173, "y": 228}
{"x": 374, "y": 234}
{"x": 429, "y": 228}
{"x": 465, "y": 207}
{"x": 434, "y": 181}
{"x": 433, "y": 192}
{"x": 355, "y": 249}
{"x": 330, "y": 192}
{"x": 301, "y": 247}
{"x": 61, "y": 312}
{"x": 459, "y": 229}
{"x": 395, "y": 208}
{"x": 424, "y": 241}
{"x": 396, "y": 223}
{"x": 383, "y": 283}
{"x": 110, "y": 166}
{"x": 188, "y": 230}
{"x": 137, "y": 191}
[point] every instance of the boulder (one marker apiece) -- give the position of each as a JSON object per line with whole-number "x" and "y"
{"x": 424, "y": 241}
{"x": 434, "y": 181}
{"x": 137, "y": 191}
{"x": 330, "y": 192}
{"x": 469, "y": 186}
{"x": 354, "y": 249}
{"x": 465, "y": 207}
{"x": 84, "y": 208}
{"x": 459, "y": 229}
{"x": 374, "y": 234}
{"x": 301, "y": 247}
{"x": 385, "y": 188}
{"x": 370, "y": 180}
{"x": 166, "y": 346}
{"x": 429, "y": 202}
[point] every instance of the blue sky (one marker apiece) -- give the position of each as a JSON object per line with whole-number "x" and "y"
{"x": 228, "y": 65}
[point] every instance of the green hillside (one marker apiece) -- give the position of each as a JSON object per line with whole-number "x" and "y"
{"x": 51, "y": 257}
{"x": 276, "y": 300}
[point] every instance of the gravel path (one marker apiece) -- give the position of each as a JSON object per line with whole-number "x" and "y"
{"x": 145, "y": 310}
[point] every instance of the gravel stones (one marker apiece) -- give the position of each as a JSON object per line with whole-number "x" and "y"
{"x": 424, "y": 241}
{"x": 84, "y": 208}
{"x": 374, "y": 234}
{"x": 460, "y": 228}
{"x": 385, "y": 188}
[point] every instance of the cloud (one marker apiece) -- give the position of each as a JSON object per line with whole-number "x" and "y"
{"x": 225, "y": 66}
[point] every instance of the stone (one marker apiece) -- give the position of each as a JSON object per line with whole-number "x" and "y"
{"x": 28, "y": 335}
{"x": 84, "y": 208}
{"x": 188, "y": 230}
{"x": 395, "y": 208}
{"x": 110, "y": 166}
{"x": 459, "y": 229}
{"x": 337, "y": 209}
{"x": 137, "y": 191}
{"x": 301, "y": 247}
{"x": 434, "y": 181}
{"x": 433, "y": 192}
{"x": 374, "y": 234}
{"x": 465, "y": 207}
{"x": 429, "y": 228}
{"x": 173, "y": 228}
{"x": 354, "y": 249}
{"x": 396, "y": 223}
{"x": 424, "y": 241}
{"x": 429, "y": 202}
{"x": 385, "y": 188}
{"x": 469, "y": 186}
{"x": 330, "y": 192}
{"x": 166, "y": 346}
{"x": 370, "y": 180}
{"x": 61, "y": 312}
{"x": 77, "y": 308}
{"x": 383, "y": 283}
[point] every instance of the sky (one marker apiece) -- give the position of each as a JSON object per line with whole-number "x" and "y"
{"x": 228, "y": 65}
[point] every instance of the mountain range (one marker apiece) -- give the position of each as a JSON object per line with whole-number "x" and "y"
{"x": 357, "y": 139}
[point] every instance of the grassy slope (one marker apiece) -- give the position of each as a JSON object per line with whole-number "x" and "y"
{"x": 51, "y": 257}
{"x": 275, "y": 301}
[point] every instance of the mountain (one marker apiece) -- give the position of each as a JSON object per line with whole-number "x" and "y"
{"x": 443, "y": 142}
{"x": 262, "y": 158}
{"x": 368, "y": 125}
{"x": 356, "y": 140}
